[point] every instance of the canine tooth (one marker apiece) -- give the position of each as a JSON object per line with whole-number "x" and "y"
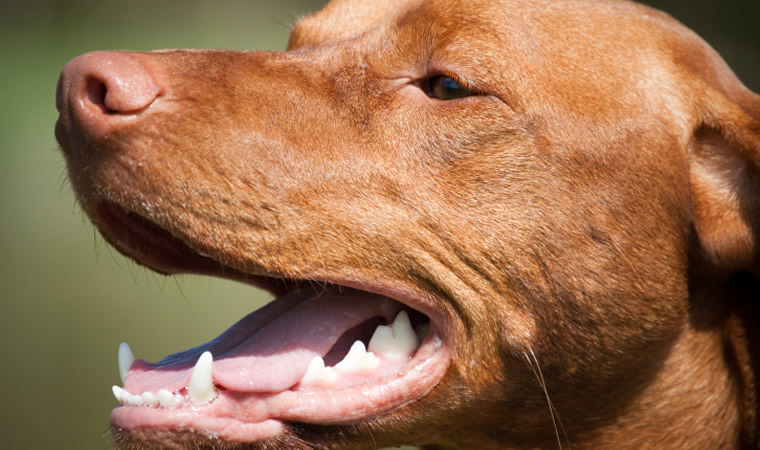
{"x": 358, "y": 358}
{"x": 118, "y": 392}
{"x": 317, "y": 373}
{"x": 201, "y": 386}
{"x": 395, "y": 341}
{"x": 126, "y": 358}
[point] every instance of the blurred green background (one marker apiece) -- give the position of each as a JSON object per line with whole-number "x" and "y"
{"x": 66, "y": 299}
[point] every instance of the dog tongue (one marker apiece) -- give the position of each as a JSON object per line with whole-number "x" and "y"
{"x": 270, "y": 349}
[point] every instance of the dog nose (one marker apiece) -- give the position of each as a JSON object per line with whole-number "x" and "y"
{"x": 99, "y": 89}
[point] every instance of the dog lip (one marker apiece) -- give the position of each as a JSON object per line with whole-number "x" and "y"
{"x": 152, "y": 245}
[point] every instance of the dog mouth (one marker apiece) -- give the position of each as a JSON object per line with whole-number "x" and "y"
{"x": 320, "y": 353}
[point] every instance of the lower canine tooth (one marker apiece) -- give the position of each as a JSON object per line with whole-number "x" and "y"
{"x": 118, "y": 392}
{"x": 201, "y": 386}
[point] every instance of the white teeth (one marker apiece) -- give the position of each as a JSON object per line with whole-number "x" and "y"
{"x": 150, "y": 399}
{"x": 135, "y": 400}
{"x": 395, "y": 341}
{"x": 201, "y": 386}
{"x": 126, "y": 358}
{"x": 168, "y": 400}
{"x": 163, "y": 398}
{"x": 118, "y": 393}
{"x": 200, "y": 389}
{"x": 317, "y": 373}
{"x": 358, "y": 359}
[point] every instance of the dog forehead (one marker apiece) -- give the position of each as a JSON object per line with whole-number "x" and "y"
{"x": 342, "y": 20}
{"x": 569, "y": 35}
{"x": 346, "y": 19}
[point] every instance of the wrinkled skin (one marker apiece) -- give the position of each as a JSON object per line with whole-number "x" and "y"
{"x": 582, "y": 231}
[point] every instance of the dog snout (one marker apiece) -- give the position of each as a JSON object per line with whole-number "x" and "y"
{"x": 99, "y": 91}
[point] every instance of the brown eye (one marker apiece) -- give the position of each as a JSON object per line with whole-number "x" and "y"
{"x": 442, "y": 87}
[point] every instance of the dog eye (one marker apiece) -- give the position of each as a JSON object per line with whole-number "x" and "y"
{"x": 442, "y": 87}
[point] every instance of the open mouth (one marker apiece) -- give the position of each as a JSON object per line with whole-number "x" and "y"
{"x": 320, "y": 353}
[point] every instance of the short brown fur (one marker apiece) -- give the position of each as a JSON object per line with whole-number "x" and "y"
{"x": 588, "y": 224}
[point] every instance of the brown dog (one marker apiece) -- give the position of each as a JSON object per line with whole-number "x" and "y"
{"x": 555, "y": 203}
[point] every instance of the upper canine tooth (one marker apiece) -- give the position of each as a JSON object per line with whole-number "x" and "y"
{"x": 358, "y": 358}
{"x": 126, "y": 358}
{"x": 201, "y": 386}
{"x": 317, "y": 373}
{"x": 395, "y": 341}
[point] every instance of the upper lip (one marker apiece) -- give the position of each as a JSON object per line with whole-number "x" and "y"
{"x": 126, "y": 230}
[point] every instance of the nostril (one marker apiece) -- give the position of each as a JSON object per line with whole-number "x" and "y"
{"x": 95, "y": 93}
{"x": 97, "y": 85}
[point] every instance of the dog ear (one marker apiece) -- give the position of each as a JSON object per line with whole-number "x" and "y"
{"x": 724, "y": 159}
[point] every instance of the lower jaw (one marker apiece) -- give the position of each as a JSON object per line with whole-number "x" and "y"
{"x": 237, "y": 417}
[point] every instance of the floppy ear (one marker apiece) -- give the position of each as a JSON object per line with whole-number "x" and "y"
{"x": 724, "y": 159}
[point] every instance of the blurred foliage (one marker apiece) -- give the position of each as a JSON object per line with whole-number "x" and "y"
{"x": 66, "y": 299}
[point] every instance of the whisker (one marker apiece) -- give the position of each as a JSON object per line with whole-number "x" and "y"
{"x": 536, "y": 368}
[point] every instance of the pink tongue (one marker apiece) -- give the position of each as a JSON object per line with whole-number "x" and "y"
{"x": 268, "y": 350}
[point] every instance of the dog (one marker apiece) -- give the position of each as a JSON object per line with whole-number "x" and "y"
{"x": 512, "y": 224}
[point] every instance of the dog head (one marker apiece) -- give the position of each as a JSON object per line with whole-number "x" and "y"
{"x": 563, "y": 197}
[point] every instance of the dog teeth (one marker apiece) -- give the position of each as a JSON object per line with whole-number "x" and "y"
{"x": 200, "y": 389}
{"x": 358, "y": 359}
{"x": 163, "y": 398}
{"x": 126, "y": 358}
{"x": 395, "y": 341}
{"x": 150, "y": 399}
{"x": 317, "y": 373}
{"x": 118, "y": 392}
{"x": 201, "y": 386}
{"x": 168, "y": 400}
